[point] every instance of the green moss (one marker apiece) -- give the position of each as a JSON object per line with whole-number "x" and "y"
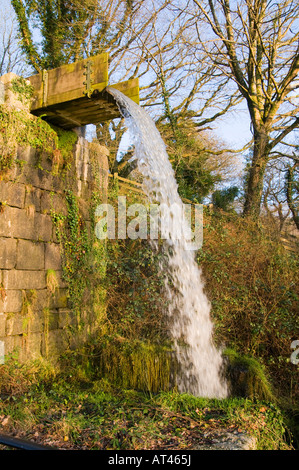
{"x": 65, "y": 144}
{"x": 83, "y": 262}
{"x": 19, "y": 128}
{"x": 22, "y": 89}
{"x": 72, "y": 234}
{"x": 73, "y": 401}
{"x": 51, "y": 280}
{"x": 29, "y": 299}
{"x": 46, "y": 317}
{"x": 248, "y": 377}
{"x": 261, "y": 419}
{"x": 135, "y": 364}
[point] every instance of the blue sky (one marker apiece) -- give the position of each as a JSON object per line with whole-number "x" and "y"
{"x": 234, "y": 128}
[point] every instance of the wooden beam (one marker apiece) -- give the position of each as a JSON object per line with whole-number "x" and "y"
{"x": 130, "y": 88}
{"x": 66, "y": 83}
{"x": 75, "y": 94}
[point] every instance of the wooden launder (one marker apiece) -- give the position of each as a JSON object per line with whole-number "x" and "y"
{"x": 74, "y": 95}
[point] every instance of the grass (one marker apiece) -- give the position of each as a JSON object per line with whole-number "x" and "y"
{"x": 70, "y": 407}
{"x": 248, "y": 377}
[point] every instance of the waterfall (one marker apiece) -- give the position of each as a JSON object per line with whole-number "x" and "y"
{"x": 191, "y": 328}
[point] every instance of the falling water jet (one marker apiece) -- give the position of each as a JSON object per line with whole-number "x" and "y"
{"x": 190, "y": 325}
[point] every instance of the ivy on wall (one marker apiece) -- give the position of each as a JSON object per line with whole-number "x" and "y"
{"x": 22, "y": 89}
{"x": 83, "y": 259}
{"x": 34, "y": 132}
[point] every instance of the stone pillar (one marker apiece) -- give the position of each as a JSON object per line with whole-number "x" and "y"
{"x": 36, "y": 314}
{"x": 15, "y": 99}
{"x": 99, "y": 156}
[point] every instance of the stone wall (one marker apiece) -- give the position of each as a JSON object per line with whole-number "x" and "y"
{"x": 36, "y": 318}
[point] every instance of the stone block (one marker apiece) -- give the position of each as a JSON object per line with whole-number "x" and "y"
{"x": 26, "y": 334}
{"x": 60, "y": 299}
{"x": 54, "y": 343}
{"x": 84, "y": 208}
{"x": 84, "y": 189}
{"x": 67, "y": 318}
{"x": 43, "y": 227}
{"x": 2, "y": 325}
{"x": 8, "y": 253}
{"x": 12, "y": 193}
{"x": 36, "y": 322}
{"x": 37, "y": 177}
{"x": 84, "y": 171}
{"x": 51, "y": 201}
{"x": 13, "y": 98}
{"x": 26, "y": 224}
{"x": 46, "y": 299}
{"x": 42, "y": 300}
{"x": 14, "y": 222}
{"x": 61, "y": 283}
{"x": 53, "y": 318}
{"x": 16, "y": 324}
{"x": 55, "y": 235}
{"x": 23, "y": 279}
{"x": 45, "y": 161}
{"x": 50, "y": 320}
{"x": 33, "y": 197}
{"x": 31, "y": 347}
{"x": 13, "y": 344}
{"x": 30, "y": 255}
{"x": 12, "y": 301}
{"x": 27, "y": 154}
{"x": 52, "y": 256}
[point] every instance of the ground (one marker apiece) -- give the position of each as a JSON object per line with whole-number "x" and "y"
{"x": 74, "y": 410}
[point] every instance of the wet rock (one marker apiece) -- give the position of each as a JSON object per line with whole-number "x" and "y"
{"x": 230, "y": 440}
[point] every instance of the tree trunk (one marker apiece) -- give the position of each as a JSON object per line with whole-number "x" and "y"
{"x": 255, "y": 181}
{"x": 289, "y": 187}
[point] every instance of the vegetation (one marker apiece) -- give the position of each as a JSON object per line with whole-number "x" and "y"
{"x": 224, "y": 198}
{"x": 72, "y": 235}
{"x": 258, "y": 52}
{"x": 73, "y": 407}
{"x": 130, "y": 363}
{"x": 23, "y": 90}
{"x": 190, "y": 158}
{"x": 33, "y": 132}
{"x": 119, "y": 393}
{"x": 250, "y": 279}
{"x": 249, "y": 53}
{"x": 292, "y": 190}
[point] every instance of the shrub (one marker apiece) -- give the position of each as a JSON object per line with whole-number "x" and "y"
{"x": 251, "y": 282}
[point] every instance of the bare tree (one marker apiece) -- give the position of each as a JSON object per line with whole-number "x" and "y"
{"x": 274, "y": 196}
{"x": 179, "y": 92}
{"x": 292, "y": 191}
{"x": 144, "y": 38}
{"x": 174, "y": 82}
{"x": 254, "y": 43}
{"x": 11, "y": 59}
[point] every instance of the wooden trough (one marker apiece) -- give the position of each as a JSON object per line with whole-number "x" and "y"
{"x": 74, "y": 95}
